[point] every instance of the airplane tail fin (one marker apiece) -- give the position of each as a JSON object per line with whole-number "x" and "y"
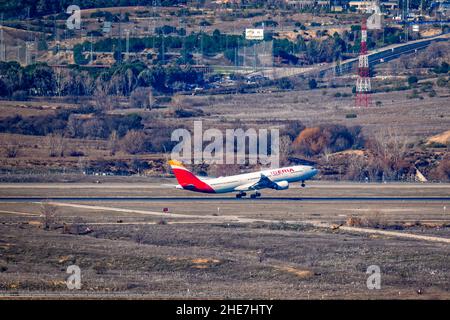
{"x": 187, "y": 179}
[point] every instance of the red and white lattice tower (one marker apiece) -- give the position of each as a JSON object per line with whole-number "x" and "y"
{"x": 363, "y": 86}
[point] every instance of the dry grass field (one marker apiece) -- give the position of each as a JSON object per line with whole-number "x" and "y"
{"x": 217, "y": 248}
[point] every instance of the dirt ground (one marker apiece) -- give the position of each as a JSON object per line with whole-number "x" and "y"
{"x": 221, "y": 248}
{"x": 411, "y": 118}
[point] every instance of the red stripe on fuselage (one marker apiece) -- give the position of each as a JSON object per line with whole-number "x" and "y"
{"x": 189, "y": 181}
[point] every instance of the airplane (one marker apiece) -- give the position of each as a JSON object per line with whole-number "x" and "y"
{"x": 277, "y": 179}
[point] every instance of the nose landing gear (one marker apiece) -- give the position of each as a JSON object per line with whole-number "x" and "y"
{"x": 303, "y": 184}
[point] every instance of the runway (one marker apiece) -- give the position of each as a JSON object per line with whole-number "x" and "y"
{"x": 220, "y": 199}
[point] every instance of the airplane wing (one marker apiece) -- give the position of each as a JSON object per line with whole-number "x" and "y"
{"x": 263, "y": 182}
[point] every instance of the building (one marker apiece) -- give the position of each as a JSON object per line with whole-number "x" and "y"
{"x": 389, "y": 5}
{"x": 444, "y": 8}
{"x": 361, "y": 5}
{"x": 337, "y": 8}
{"x": 301, "y": 3}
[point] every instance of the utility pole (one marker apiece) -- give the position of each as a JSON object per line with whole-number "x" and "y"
{"x": 201, "y": 45}
{"x": 2, "y": 43}
{"x": 405, "y": 18}
{"x": 183, "y": 27}
{"x": 127, "y": 55}
{"x": 28, "y": 44}
{"x": 92, "y": 50}
{"x": 119, "y": 58}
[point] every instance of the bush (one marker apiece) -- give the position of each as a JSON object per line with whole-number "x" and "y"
{"x": 442, "y": 171}
{"x": 441, "y": 82}
{"x": 412, "y": 80}
{"x": 292, "y": 129}
{"x": 100, "y": 267}
{"x": 134, "y": 142}
{"x": 3, "y": 266}
{"x": 443, "y": 68}
{"x": 285, "y": 84}
{"x": 187, "y": 113}
{"x": 12, "y": 149}
{"x": 75, "y": 153}
{"x": 313, "y": 141}
{"x": 20, "y": 95}
{"x": 312, "y": 84}
{"x": 351, "y": 115}
{"x": 436, "y": 145}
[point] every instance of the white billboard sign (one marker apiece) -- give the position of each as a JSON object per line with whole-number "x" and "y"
{"x": 254, "y": 34}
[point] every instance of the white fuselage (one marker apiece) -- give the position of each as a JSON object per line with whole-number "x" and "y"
{"x": 289, "y": 174}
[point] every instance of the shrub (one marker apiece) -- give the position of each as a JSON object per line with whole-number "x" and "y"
{"x": 412, "y": 80}
{"x": 313, "y": 141}
{"x": 441, "y": 82}
{"x": 312, "y": 84}
{"x": 134, "y": 142}
{"x": 75, "y": 153}
{"x": 20, "y": 95}
{"x": 187, "y": 113}
{"x": 100, "y": 267}
{"x": 351, "y": 115}
{"x": 285, "y": 84}
{"x": 437, "y": 145}
{"x": 293, "y": 129}
{"x": 442, "y": 171}
{"x": 3, "y": 266}
{"x": 12, "y": 149}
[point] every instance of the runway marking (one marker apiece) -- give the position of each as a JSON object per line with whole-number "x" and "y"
{"x": 383, "y": 232}
{"x": 101, "y": 208}
{"x": 19, "y": 213}
{"x": 166, "y": 215}
{"x": 238, "y": 219}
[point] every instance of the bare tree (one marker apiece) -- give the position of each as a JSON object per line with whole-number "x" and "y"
{"x": 48, "y": 215}
{"x": 12, "y": 148}
{"x": 113, "y": 143}
{"x": 56, "y": 144}
{"x": 141, "y": 98}
{"x": 285, "y": 149}
{"x": 74, "y": 126}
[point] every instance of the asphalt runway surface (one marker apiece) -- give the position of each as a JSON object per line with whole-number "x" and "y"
{"x": 195, "y": 199}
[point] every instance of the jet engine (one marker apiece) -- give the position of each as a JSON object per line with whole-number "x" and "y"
{"x": 282, "y": 185}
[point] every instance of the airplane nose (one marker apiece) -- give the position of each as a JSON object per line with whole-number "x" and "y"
{"x": 314, "y": 171}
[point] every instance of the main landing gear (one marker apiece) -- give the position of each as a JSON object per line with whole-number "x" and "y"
{"x": 240, "y": 195}
{"x": 252, "y": 196}
{"x": 255, "y": 195}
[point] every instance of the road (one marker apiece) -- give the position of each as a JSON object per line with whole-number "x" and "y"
{"x": 386, "y": 54}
